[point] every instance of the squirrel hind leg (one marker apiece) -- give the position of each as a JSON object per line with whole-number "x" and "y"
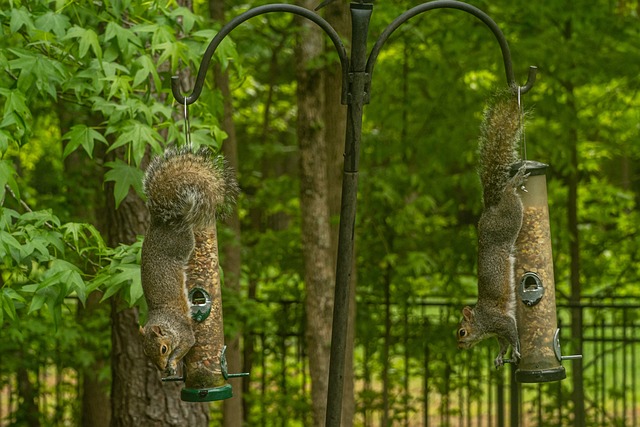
{"x": 504, "y": 346}
{"x": 515, "y": 352}
{"x": 520, "y": 178}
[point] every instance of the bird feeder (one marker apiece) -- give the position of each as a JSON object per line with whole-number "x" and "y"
{"x": 205, "y": 366}
{"x": 535, "y": 288}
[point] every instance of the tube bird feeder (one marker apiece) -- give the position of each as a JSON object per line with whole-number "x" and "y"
{"x": 535, "y": 287}
{"x": 205, "y": 365}
{"x": 203, "y": 376}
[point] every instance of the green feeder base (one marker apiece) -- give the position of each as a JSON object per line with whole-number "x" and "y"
{"x": 206, "y": 394}
{"x": 540, "y": 375}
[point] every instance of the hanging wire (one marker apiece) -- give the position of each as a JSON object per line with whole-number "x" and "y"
{"x": 187, "y": 126}
{"x": 523, "y": 136}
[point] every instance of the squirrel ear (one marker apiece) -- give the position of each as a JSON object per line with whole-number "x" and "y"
{"x": 156, "y": 330}
{"x": 467, "y": 312}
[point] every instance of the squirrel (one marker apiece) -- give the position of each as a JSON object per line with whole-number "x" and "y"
{"x": 185, "y": 192}
{"x": 495, "y": 312}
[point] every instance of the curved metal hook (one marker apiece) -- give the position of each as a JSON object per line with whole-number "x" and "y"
{"x": 452, "y": 4}
{"x": 260, "y": 10}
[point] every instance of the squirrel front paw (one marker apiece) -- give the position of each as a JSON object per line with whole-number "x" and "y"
{"x": 172, "y": 368}
{"x": 520, "y": 178}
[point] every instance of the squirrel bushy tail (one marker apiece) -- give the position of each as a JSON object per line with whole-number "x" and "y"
{"x": 499, "y": 136}
{"x": 185, "y": 191}
{"x": 188, "y": 188}
{"x": 498, "y": 229}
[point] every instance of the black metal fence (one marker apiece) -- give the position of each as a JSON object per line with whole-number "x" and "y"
{"x": 408, "y": 372}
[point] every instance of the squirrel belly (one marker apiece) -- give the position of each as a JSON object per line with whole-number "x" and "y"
{"x": 185, "y": 190}
{"x": 494, "y": 313}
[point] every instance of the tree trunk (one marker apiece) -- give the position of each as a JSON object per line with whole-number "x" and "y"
{"x": 138, "y": 397}
{"x": 83, "y": 174}
{"x": 316, "y": 237}
{"x": 574, "y": 246}
{"x": 576, "y": 286}
{"x": 96, "y": 406}
{"x": 232, "y": 260}
{"x": 335, "y": 115}
{"x": 28, "y": 413}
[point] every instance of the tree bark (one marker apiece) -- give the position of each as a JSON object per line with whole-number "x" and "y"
{"x": 574, "y": 246}
{"x": 96, "y": 404}
{"x": 576, "y": 285}
{"x": 28, "y": 413}
{"x": 82, "y": 173}
{"x": 316, "y": 237}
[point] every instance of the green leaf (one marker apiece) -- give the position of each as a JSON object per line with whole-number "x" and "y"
{"x": 87, "y": 38}
{"x": 84, "y": 234}
{"x": 7, "y": 173}
{"x": 82, "y": 135}
{"x": 132, "y": 274}
{"x": 226, "y": 52}
{"x": 77, "y": 285}
{"x": 39, "y": 218}
{"x": 7, "y": 217}
{"x": 138, "y": 135}
{"x": 118, "y": 85}
{"x": 124, "y": 37}
{"x": 45, "y": 73}
{"x": 4, "y": 142}
{"x": 20, "y": 18}
{"x": 147, "y": 67}
{"x": 188, "y": 18}
{"x": 37, "y": 302}
{"x": 11, "y": 293}
{"x": 125, "y": 177}
{"x": 16, "y": 103}
{"x": 53, "y": 22}
{"x": 8, "y": 306}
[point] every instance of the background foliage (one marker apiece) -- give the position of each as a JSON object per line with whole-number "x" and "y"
{"x": 82, "y": 79}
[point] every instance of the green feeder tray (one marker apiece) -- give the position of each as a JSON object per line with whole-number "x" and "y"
{"x": 206, "y": 394}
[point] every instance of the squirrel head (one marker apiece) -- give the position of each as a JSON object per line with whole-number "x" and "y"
{"x": 157, "y": 347}
{"x": 467, "y": 330}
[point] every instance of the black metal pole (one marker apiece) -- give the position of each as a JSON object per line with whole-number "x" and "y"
{"x": 356, "y": 96}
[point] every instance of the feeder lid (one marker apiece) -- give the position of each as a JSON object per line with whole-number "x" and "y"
{"x": 533, "y": 167}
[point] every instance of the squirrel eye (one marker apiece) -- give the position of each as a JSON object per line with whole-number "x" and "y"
{"x": 163, "y": 349}
{"x": 462, "y": 333}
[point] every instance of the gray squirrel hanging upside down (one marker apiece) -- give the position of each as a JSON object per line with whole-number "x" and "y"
{"x": 185, "y": 191}
{"x": 495, "y": 312}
